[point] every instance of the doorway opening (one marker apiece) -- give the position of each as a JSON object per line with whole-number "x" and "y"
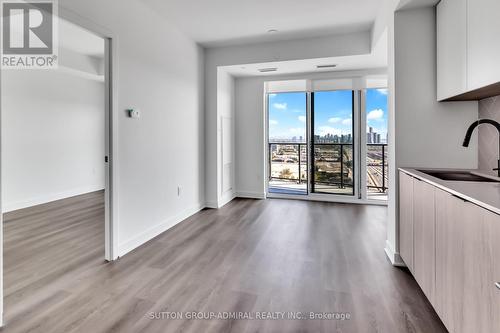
{"x": 57, "y": 166}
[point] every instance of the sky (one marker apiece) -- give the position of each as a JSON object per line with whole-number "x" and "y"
{"x": 376, "y": 108}
{"x": 333, "y": 113}
{"x": 287, "y": 115}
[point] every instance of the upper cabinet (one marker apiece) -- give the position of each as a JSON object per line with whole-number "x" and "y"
{"x": 467, "y": 49}
{"x": 451, "y": 48}
{"x": 483, "y": 51}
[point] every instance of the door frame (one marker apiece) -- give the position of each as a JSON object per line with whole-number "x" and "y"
{"x": 267, "y": 162}
{"x": 111, "y": 141}
{"x": 355, "y": 144}
{"x": 110, "y": 124}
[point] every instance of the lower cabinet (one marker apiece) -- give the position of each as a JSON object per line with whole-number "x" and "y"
{"x": 493, "y": 222}
{"x": 450, "y": 268}
{"x": 406, "y": 219}
{"x": 456, "y": 248}
{"x": 424, "y": 238}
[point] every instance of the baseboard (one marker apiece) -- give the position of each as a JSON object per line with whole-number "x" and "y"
{"x": 211, "y": 204}
{"x": 393, "y": 256}
{"x": 226, "y": 198}
{"x": 12, "y": 206}
{"x": 251, "y": 195}
{"x": 156, "y": 230}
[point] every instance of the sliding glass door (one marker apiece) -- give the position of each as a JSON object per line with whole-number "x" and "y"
{"x": 287, "y": 144}
{"x": 377, "y": 161}
{"x": 318, "y": 147}
{"x": 332, "y": 142}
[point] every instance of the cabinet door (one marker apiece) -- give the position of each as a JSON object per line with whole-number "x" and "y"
{"x": 494, "y": 240}
{"x": 424, "y": 256}
{"x": 450, "y": 217}
{"x": 467, "y": 268}
{"x": 451, "y": 48}
{"x": 481, "y": 297}
{"x": 483, "y": 47}
{"x": 406, "y": 219}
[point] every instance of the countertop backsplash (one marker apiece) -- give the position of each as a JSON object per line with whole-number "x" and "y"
{"x": 488, "y": 135}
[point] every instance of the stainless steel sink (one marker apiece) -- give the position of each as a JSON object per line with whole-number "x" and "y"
{"x": 462, "y": 176}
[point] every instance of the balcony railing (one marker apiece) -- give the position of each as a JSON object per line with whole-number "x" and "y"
{"x": 290, "y": 165}
{"x": 333, "y": 156}
{"x": 377, "y": 167}
{"x": 288, "y": 155}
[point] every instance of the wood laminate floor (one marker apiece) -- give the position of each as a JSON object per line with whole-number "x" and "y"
{"x": 250, "y": 256}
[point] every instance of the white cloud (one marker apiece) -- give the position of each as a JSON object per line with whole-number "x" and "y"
{"x": 335, "y": 120}
{"x": 376, "y": 114}
{"x": 302, "y": 119}
{"x": 347, "y": 121}
{"x": 382, "y": 91}
{"x": 280, "y": 106}
{"x": 273, "y": 122}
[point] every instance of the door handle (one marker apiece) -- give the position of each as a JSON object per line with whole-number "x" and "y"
{"x": 497, "y": 284}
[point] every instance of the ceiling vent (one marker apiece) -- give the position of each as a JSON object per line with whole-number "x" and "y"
{"x": 267, "y": 70}
{"x": 326, "y": 66}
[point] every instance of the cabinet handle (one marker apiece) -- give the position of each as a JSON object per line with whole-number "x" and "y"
{"x": 497, "y": 284}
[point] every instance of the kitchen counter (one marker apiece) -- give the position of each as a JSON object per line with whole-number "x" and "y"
{"x": 486, "y": 195}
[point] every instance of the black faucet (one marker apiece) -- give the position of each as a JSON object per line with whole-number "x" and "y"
{"x": 476, "y": 124}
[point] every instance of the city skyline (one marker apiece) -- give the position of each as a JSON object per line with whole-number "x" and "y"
{"x": 332, "y": 116}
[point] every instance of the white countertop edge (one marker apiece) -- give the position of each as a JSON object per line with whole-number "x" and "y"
{"x": 438, "y": 183}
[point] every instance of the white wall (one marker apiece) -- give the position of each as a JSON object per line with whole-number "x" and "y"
{"x": 427, "y": 133}
{"x": 250, "y": 137}
{"x": 159, "y": 71}
{"x": 53, "y": 137}
{"x": 330, "y": 46}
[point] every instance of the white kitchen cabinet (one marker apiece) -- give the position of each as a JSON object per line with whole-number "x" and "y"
{"x": 451, "y": 48}
{"x": 468, "y": 49}
{"x": 483, "y": 49}
{"x": 406, "y": 219}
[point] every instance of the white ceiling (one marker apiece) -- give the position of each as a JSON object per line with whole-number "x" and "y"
{"x": 228, "y": 22}
{"x": 410, "y": 4}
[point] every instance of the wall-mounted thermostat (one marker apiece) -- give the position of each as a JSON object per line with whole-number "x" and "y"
{"x": 134, "y": 113}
